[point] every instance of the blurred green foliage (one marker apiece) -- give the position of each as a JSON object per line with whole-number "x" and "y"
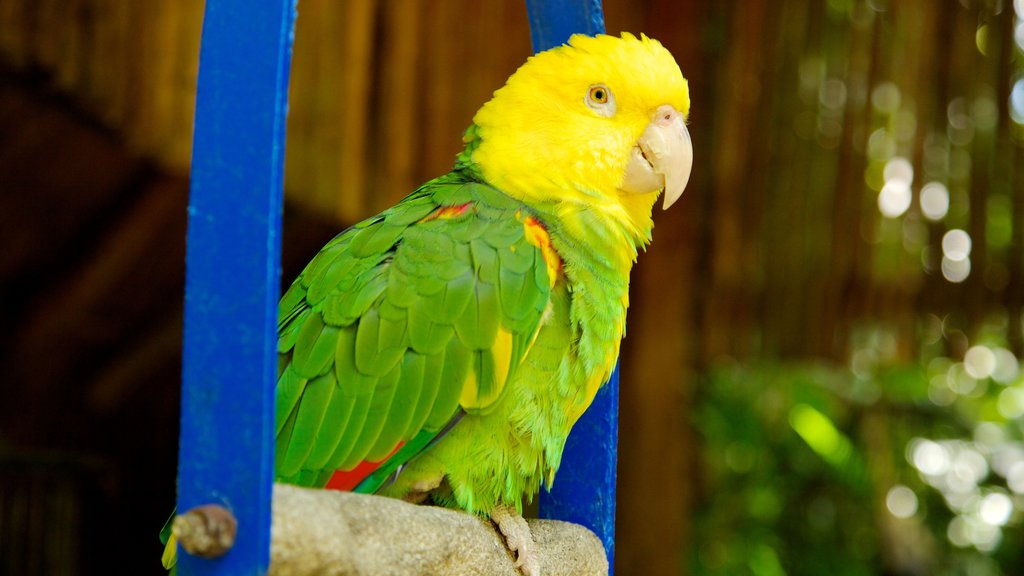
{"x": 879, "y": 467}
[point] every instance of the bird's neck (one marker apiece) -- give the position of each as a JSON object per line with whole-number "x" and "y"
{"x": 598, "y": 253}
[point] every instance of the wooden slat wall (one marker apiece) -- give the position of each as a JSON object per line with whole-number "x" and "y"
{"x": 380, "y": 94}
{"x": 130, "y": 64}
{"x": 382, "y": 91}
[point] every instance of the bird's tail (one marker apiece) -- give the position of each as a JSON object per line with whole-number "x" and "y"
{"x": 170, "y": 542}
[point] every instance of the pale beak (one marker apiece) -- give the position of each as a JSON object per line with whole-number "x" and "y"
{"x": 662, "y": 157}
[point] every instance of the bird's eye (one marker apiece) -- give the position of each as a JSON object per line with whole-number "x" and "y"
{"x": 601, "y": 100}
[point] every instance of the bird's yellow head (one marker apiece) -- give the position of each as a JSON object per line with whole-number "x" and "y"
{"x": 599, "y": 122}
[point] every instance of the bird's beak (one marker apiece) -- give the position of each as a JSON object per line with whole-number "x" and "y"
{"x": 662, "y": 157}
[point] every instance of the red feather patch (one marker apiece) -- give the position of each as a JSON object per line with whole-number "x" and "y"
{"x": 348, "y": 479}
{"x": 447, "y": 212}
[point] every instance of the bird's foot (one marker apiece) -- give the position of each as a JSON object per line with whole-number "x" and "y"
{"x": 518, "y": 538}
{"x": 420, "y": 491}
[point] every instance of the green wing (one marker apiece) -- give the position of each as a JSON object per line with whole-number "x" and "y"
{"x": 401, "y": 323}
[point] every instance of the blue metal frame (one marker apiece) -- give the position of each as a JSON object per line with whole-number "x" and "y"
{"x": 233, "y": 275}
{"x": 232, "y": 279}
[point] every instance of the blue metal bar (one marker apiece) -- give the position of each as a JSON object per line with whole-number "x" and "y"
{"x": 232, "y": 277}
{"x": 584, "y": 490}
{"x": 553, "y": 21}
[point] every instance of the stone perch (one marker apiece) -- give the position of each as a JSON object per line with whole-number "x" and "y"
{"x": 331, "y": 533}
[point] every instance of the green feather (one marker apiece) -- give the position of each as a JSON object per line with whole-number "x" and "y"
{"x": 375, "y": 239}
{"x": 503, "y": 236}
{"x": 317, "y": 267}
{"x": 452, "y": 302}
{"x": 400, "y": 413}
{"x": 478, "y": 325}
{"x": 433, "y": 367}
{"x": 380, "y": 404}
{"x": 490, "y": 198}
{"x": 517, "y": 257}
{"x": 353, "y": 428}
{"x": 290, "y": 387}
{"x": 377, "y": 352}
{"x": 515, "y": 293}
{"x": 414, "y": 207}
{"x": 485, "y": 261}
{"x": 401, "y": 291}
{"x": 426, "y": 336}
{"x": 335, "y": 419}
{"x": 486, "y": 373}
{"x": 314, "y": 347}
{"x": 283, "y": 440}
{"x": 368, "y": 287}
{"x": 293, "y": 301}
{"x": 329, "y": 276}
{"x": 468, "y": 229}
{"x": 311, "y": 410}
{"x": 288, "y": 328}
{"x": 455, "y": 368}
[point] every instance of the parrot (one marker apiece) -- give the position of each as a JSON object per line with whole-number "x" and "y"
{"x": 442, "y": 350}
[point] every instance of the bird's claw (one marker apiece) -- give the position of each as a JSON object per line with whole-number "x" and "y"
{"x": 518, "y": 538}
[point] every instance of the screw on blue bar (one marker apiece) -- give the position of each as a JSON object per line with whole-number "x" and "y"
{"x": 232, "y": 275}
{"x": 584, "y": 490}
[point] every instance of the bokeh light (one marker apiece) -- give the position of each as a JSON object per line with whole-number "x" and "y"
{"x": 961, "y": 125}
{"x": 956, "y": 251}
{"x": 901, "y": 501}
{"x": 956, "y": 270}
{"x": 886, "y": 97}
{"x": 1010, "y": 403}
{"x": 979, "y": 362}
{"x": 957, "y": 532}
{"x": 1015, "y": 478}
{"x": 996, "y": 509}
{"x": 1017, "y": 99}
{"x": 956, "y": 244}
{"x": 985, "y": 113}
{"x": 967, "y": 469}
{"x": 1007, "y": 366}
{"x": 894, "y": 198}
{"x": 832, "y": 94}
{"x": 900, "y": 169}
{"x": 934, "y": 201}
{"x": 929, "y": 457}
{"x": 1006, "y": 456}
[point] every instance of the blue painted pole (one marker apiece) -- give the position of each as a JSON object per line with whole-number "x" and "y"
{"x": 553, "y": 21}
{"x": 232, "y": 275}
{"x": 584, "y": 489}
